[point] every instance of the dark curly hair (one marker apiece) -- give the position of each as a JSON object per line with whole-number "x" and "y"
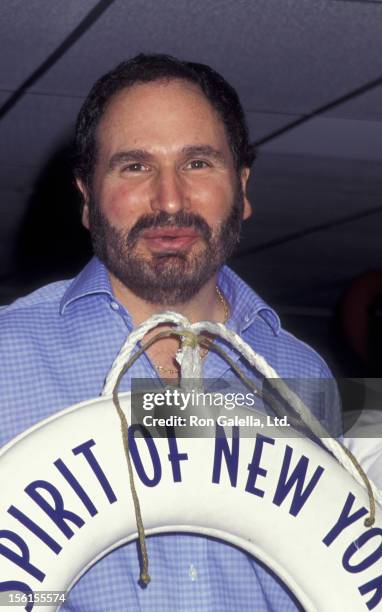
{"x": 144, "y": 69}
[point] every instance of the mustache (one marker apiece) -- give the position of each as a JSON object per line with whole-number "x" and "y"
{"x": 164, "y": 219}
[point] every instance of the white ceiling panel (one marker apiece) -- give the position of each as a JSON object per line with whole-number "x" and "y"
{"x": 35, "y": 127}
{"x": 283, "y": 55}
{"x": 30, "y": 30}
{"x": 263, "y": 124}
{"x": 291, "y": 194}
{"x": 368, "y": 106}
{"x": 329, "y": 137}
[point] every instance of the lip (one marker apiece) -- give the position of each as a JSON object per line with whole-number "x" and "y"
{"x": 171, "y": 232}
{"x": 170, "y": 238}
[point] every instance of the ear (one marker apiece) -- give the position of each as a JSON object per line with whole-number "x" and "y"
{"x": 244, "y": 176}
{"x": 85, "y": 202}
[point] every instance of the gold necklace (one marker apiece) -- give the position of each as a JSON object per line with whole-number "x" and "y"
{"x": 204, "y": 351}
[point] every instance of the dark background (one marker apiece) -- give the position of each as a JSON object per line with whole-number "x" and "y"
{"x": 313, "y": 247}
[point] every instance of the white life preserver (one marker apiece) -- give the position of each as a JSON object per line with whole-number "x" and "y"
{"x": 287, "y": 483}
{"x": 65, "y": 503}
{"x": 364, "y": 440}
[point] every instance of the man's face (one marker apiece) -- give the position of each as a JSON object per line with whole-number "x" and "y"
{"x": 166, "y": 202}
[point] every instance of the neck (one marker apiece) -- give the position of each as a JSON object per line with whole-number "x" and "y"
{"x": 205, "y": 305}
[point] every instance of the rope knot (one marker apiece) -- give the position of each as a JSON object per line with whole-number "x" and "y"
{"x": 189, "y": 338}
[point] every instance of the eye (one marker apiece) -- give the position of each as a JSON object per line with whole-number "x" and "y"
{"x": 135, "y": 167}
{"x": 197, "y": 164}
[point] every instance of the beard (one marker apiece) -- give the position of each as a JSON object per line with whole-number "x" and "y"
{"x": 165, "y": 278}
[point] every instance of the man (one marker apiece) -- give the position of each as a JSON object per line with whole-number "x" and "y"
{"x": 163, "y": 160}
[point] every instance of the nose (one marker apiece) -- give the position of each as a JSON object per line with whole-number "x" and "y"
{"x": 169, "y": 192}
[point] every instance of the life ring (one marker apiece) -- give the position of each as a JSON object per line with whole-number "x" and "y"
{"x": 66, "y": 504}
{"x": 364, "y": 439}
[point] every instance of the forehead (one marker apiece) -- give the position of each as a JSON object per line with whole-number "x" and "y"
{"x": 167, "y": 113}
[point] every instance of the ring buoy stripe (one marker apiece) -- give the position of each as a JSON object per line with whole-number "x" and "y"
{"x": 65, "y": 503}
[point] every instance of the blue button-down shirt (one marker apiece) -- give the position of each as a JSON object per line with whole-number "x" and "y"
{"x": 56, "y": 347}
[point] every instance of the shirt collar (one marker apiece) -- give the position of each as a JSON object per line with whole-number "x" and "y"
{"x": 245, "y": 304}
{"x": 92, "y": 280}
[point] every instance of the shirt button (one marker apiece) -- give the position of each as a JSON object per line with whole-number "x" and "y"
{"x": 114, "y": 305}
{"x": 192, "y": 572}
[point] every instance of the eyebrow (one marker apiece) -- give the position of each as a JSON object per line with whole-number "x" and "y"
{"x": 204, "y": 151}
{"x": 137, "y": 155}
{"x": 141, "y": 155}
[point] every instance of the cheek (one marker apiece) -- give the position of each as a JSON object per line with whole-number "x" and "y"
{"x": 119, "y": 204}
{"x": 214, "y": 200}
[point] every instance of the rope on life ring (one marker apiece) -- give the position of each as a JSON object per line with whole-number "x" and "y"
{"x": 316, "y": 508}
{"x": 191, "y": 369}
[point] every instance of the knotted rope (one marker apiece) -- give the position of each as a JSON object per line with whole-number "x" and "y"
{"x": 188, "y": 357}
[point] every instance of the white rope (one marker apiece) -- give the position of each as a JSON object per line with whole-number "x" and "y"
{"x": 188, "y": 358}
{"x": 191, "y": 368}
